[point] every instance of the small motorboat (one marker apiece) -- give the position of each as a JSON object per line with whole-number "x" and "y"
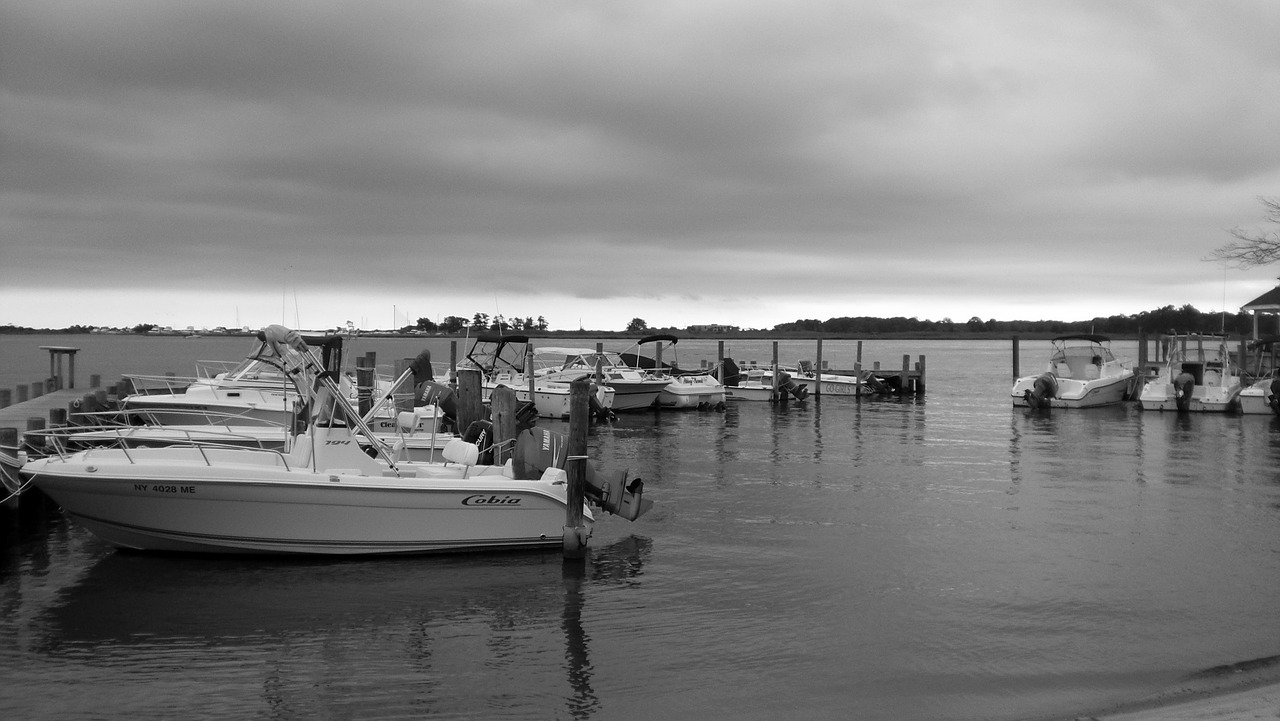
{"x": 1262, "y": 395}
{"x": 336, "y": 490}
{"x": 501, "y": 360}
{"x": 1082, "y": 372}
{"x": 753, "y": 382}
{"x": 633, "y": 389}
{"x": 688, "y": 389}
{"x": 1198, "y": 376}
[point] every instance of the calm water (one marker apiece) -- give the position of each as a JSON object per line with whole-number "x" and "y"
{"x": 948, "y": 557}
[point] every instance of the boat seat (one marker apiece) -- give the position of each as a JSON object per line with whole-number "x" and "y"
{"x": 461, "y": 452}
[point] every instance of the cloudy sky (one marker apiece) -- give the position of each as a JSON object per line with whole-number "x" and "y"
{"x": 592, "y": 161}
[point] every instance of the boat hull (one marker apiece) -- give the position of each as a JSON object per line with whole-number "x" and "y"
{"x": 135, "y": 500}
{"x": 1256, "y": 400}
{"x": 1076, "y": 393}
{"x": 690, "y": 393}
{"x": 1160, "y": 396}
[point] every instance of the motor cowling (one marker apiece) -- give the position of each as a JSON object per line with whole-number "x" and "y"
{"x": 1273, "y": 397}
{"x": 786, "y": 387}
{"x": 1043, "y": 390}
{"x": 1183, "y": 388}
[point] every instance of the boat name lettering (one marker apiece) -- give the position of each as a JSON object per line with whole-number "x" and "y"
{"x": 337, "y": 443}
{"x": 490, "y": 500}
{"x": 162, "y": 488}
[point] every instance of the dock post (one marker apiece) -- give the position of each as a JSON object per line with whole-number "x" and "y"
{"x": 6, "y": 397}
{"x": 906, "y": 373}
{"x": 720, "y": 363}
{"x": 503, "y": 404}
{"x": 364, "y": 385}
{"x": 470, "y": 398}
{"x": 1016, "y": 373}
{"x": 817, "y": 372}
{"x": 920, "y": 381}
{"x": 528, "y": 373}
{"x": 775, "y": 372}
{"x": 575, "y": 534}
{"x": 453, "y": 359}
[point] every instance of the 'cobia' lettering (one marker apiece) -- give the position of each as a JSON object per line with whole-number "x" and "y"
{"x": 490, "y": 500}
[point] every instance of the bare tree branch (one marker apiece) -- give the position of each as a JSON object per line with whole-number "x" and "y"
{"x": 1253, "y": 247}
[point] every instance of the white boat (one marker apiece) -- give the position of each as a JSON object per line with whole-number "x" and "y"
{"x": 1198, "y": 376}
{"x": 249, "y": 393}
{"x": 1082, "y": 372}
{"x": 326, "y": 495}
{"x": 501, "y": 360}
{"x": 632, "y": 389}
{"x": 1262, "y": 395}
{"x": 688, "y": 389}
{"x": 835, "y": 384}
{"x": 753, "y": 382}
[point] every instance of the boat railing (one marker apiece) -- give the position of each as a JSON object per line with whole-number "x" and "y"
{"x": 144, "y": 385}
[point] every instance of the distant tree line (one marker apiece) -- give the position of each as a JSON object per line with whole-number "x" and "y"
{"x": 479, "y": 322}
{"x": 1161, "y": 320}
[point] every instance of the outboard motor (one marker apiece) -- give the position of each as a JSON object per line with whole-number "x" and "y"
{"x": 1043, "y": 390}
{"x": 597, "y": 411}
{"x": 439, "y": 394}
{"x": 481, "y": 434}
{"x": 1273, "y": 400}
{"x": 1183, "y": 387}
{"x": 786, "y": 386}
{"x": 538, "y": 449}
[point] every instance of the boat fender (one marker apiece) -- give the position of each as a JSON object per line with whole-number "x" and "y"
{"x": 1043, "y": 389}
{"x": 1273, "y": 400}
{"x": 481, "y": 433}
{"x": 1183, "y": 387}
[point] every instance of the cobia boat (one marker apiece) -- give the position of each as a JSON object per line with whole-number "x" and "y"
{"x": 688, "y": 389}
{"x": 1198, "y": 376}
{"x": 633, "y": 389}
{"x": 326, "y": 495}
{"x": 1082, "y": 372}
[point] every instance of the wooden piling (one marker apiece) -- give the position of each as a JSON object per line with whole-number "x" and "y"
{"x": 817, "y": 372}
{"x": 503, "y": 403}
{"x": 1016, "y": 373}
{"x": 575, "y": 532}
{"x": 364, "y": 385}
{"x": 470, "y": 397}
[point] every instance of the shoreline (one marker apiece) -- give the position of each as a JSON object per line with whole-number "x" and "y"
{"x": 1232, "y": 692}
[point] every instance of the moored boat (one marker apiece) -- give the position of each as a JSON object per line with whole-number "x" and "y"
{"x": 633, "y": 389}
{"x": 502, "y": 360}
{"x": 1082, "y": 372}
{"x": 688, "y": 389}
{"x": 1198, "y": 376}
{"x": 334, "y": 491}
{"x": 1262, "y": 395}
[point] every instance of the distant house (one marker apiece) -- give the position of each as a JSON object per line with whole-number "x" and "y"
{"x": 713, "y": 328}
{"x": 1266, "y": 304}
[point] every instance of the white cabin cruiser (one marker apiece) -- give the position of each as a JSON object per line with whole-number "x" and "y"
{"x": 1082, "y": 372}
{"x": 1198, "y": 376}
{"x": 1262, "y": 395}
{"x": 632, "y": 389}
{"x": 325, "y": 495}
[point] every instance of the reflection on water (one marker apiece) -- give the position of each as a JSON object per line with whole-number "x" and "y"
{"x": 943, "y": 557}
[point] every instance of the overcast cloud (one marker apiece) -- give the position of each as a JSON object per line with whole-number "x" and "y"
{"x": 750, "y": 163}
